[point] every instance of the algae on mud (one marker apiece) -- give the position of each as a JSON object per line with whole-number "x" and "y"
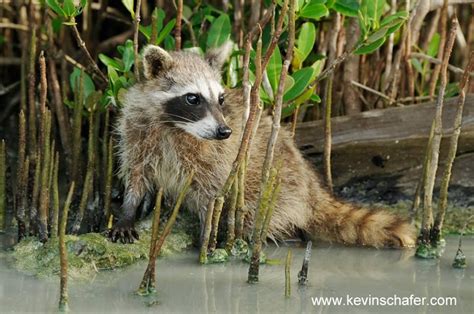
{"x": 91, "y": 252}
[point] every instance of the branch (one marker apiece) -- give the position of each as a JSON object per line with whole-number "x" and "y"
{"x": 92, "y": 65}
{"x": 430, "y": 59}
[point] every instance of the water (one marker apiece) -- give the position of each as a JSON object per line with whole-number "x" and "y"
{"x": 185, "y": 286}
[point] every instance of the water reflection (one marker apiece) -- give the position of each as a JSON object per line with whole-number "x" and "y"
{"x": 184, "y": 286}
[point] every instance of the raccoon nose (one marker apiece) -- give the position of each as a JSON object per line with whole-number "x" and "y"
{"x": 223, "y": 132}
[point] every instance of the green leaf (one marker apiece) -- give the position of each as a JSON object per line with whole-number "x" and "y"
{"x": 370, "y": 13}
{"x": 69, "y": 8}
{"x": 289, "y": 82}
{"x": 219, "y": 31}
{"x": 302, "y": 79}
{"x": 166, "y": 30}
{"x": 74, "y": 78}
{"x": 433, "y": 47}
{"x": 129, "y": 5}
{"x": 306, "y": 40}
{"x": 368, "y": 48}
{"x": 394, "y": 18}
{"x": 347, "y": 7}
{"x": 377, "y": 35}
{"x": 315, "y": 9}
{"x": 128, "y": 56}
{"x": 54, "y": 5}
{"x": 417, "y": 65}
{"x": 109, "y": 62}
{"x": 274, "y": 68}
{"x": 145, "y": 30}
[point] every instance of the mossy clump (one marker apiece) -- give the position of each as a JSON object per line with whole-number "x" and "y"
{"x": 218, "y": 256}
{"x": 460, "y": 260}
{"x": 427, "y": 251}
{"x": 91, "y": 252}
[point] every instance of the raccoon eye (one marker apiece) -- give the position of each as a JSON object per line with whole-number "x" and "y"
{"x": 221, "y": 100}
{"x": 192, "y": 99}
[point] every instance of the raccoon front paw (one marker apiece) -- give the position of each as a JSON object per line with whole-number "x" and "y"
{"x": 124, "y": 232}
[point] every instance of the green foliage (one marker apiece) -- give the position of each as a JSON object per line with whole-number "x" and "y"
{"x": 74, "y": 79}
{"x": 129, "y": 5}
{"x": 219, "y": 32}
{"x": 346, "y": 7}
{"x": 374, "y": 31}
{"x": 314, "y": 9}
{"x": 66, "y": 9}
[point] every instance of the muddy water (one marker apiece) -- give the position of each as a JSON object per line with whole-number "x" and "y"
{"x": 184, "y": 286}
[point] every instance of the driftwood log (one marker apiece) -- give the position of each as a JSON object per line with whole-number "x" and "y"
{"x": 390, "y": 142}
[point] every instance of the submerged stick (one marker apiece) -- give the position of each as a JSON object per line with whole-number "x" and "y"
{"x": 148, "y": 284}
{"x": 427, "y": 220}
{"x": 460, "y": 257}
{"x": 288, "y": 274}
{"x": 3, "y": 168}
{"x": 453, "y": 146}
{"x": 303, "y": 274}
{"x": 63, "y": 295}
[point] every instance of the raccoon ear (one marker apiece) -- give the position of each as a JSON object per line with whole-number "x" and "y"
{"x": 216, "y": 57}
{"x": 155, "y": 61}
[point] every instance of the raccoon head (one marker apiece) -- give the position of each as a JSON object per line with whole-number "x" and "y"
{"x": 187, "y": 88}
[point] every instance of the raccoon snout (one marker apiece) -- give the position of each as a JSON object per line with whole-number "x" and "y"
{"x": 223, "y": 132}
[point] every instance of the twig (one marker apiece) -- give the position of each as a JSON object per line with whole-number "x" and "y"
{"x": 268, "y": 161}
{"x": 3, "y": 171}
{"x": 207, "y": 232}
{"x": 215, "y": 223}
{"x": 453, "y": 145}
{"x": 22, "y": 177}
{"x": 442, "y": 42}
{"x": 63, "y": 295}
{"x": 231, "y": 214}
{"x": 288, "y": 274}
{"x": 148, "y": 284}
{"x": 303, "y": 274}
{"x": 430, "y": 59}
{"x": 427, "y": 220}
{"x": 136, "y": 25}
{"x": 55, "y": 216}
{"x": 169, "y": 224}
{"x": 92, "y": 64}
{"x": 108, "y": 181}
{"x": 373, "y": 91}
{"x": 179, "y": 17}
{"x": 328, "y": 103}
{"x": 45, "y": 134}
{"x": 87, "y": 188}
{"x": 31, "y": 85}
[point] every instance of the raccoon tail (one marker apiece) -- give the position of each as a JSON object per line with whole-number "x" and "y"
{"x": 346, "y": 223}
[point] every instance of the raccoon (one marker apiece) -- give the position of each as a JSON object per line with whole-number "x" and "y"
{"x": 180, "y": 118}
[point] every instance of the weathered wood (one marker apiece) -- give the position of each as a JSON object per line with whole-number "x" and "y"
{"x": 387, "y": 141}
